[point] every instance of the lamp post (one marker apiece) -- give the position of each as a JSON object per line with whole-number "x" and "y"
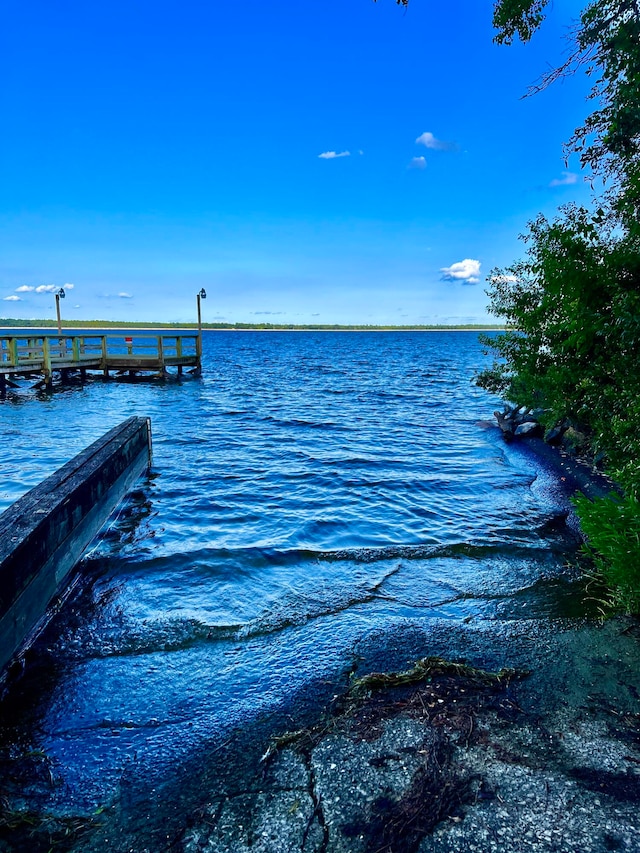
{"x": 59, "y": 295}
{"x": 201, "y": 295}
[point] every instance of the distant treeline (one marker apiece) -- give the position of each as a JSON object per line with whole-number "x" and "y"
{"x": 315, "y": 327}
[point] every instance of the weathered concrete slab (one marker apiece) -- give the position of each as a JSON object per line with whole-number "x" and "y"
{"x": 43, "y": 535}
{"x": 280, "y": 819}
{"x": 547, "y": 764}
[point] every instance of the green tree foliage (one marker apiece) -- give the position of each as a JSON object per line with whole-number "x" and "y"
{"x": 606, "y": 45}
{"x": 572, "y": 308}
{"x": 572, "y": 305}
{"x": 519, "y": 18}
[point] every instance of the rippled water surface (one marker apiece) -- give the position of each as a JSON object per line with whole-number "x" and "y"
{"x": 308, "y": 491}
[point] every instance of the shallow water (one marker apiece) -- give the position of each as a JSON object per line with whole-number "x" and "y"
{"x": 310, "y": 490}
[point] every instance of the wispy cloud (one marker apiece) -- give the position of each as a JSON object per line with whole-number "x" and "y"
{"x": 417, "y": 163}
{"x": 266, "y": 313}
{"x": 333, "y": 155}
{"x": 11, "y": 299}
{"x": 429, "y": 141}
{"x": 503, "y": 279}
{"x": 566, "y": 180}
{"x": 123, "y": 295}
{"x": 43, "y": 288}
{"x": 465, "y": 272}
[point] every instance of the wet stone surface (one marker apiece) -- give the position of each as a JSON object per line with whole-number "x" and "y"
{"x": 277, "y": 820}
{"x": 451, "y": 764}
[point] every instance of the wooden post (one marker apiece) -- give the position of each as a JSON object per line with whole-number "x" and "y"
{"x": 58, "y": 313}
{"x": 105, "y": 367}
{"x": 46, "y": 362}
{"x": 199, "y": 339}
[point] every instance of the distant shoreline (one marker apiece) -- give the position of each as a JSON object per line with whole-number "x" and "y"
{"x": 11, "y": 325}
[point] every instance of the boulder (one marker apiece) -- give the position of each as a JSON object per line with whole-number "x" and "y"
{"x": 554, "y": 435}
{"x": 505, "y": 423}
{"x": 529, "y": 429}
{"x": 573, "y": 440}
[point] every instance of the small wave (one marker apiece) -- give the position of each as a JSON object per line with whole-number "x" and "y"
{"x": 223, "y": 561}
{"x": 122, "y": 637}
{"x": 298, "y": 422}
{"x": 298, "y": 608}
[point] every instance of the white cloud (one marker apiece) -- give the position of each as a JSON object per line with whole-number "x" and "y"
{"x": 429, "y": 141}
{"x": 466, "y": 272}
{"x": 417, "y": 163}
{"x": 68, "y": 286}
{"x": 503, "y": 279}
{"x": 11, "y": 299}
{"x": 124, "y": 295}
{"x": 47, "y": 288}
{"x": 333, "y": 155}
{"x": 566, "y": 180}
{"x": 25, "y": 288}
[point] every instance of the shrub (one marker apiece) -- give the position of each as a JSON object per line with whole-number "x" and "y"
{"x": 612, "y": 529}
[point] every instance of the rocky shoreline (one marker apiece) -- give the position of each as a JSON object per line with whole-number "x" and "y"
{"x": 563, "y": 448}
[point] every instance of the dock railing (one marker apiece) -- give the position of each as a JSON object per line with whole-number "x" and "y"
{"x": 24, "y": 354}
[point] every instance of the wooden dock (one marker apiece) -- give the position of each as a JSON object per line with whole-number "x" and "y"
{"x": 40, "y": 356}
{"x": 44, "y": 534}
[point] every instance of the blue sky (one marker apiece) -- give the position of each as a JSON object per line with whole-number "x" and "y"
{"x": 151, "y": 149}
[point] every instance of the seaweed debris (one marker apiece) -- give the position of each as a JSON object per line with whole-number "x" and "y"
{"x": 444, "y": 693}
{"x": 431, "y": 667}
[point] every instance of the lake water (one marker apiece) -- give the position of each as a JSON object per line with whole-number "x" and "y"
{"x": 310, "y": 492}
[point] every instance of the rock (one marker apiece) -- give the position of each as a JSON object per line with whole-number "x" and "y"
{"x": 505, "y": 423}
{"x": 554, "y": 435}
{"x": 528, "y": 428}
{"x": 573, "y": 440}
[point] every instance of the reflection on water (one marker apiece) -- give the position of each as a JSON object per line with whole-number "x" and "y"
{"x": 309, "y": 492}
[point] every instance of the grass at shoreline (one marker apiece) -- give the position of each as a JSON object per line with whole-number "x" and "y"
{"x": 11, "y": 323}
